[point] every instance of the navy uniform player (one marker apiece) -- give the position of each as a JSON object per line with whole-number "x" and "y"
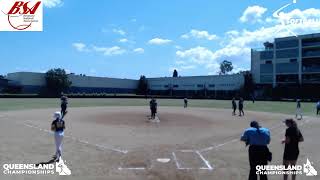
{"x": 241, "y": 107}
{"x": 153, "y": 108}
{"x": 58, "y": 126}
{"x": 234, "y": 106}
{"x": 185, "y": 102}
{"x": 64, "y": 103}
{"x": 298, "y": 111}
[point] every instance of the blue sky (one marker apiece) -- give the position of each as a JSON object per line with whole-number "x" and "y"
{"x": 128, "y": 38}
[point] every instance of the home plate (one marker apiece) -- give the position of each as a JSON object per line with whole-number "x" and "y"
{"x": 163, "y": 160}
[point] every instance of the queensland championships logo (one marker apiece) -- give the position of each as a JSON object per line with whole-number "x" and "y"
{"x": 21, "y": 15}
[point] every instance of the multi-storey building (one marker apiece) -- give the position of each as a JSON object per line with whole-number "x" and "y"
{"x": 289, "y": 60}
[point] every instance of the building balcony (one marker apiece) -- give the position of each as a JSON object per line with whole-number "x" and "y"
{"x": 287, "y": 67}
{"x": 311, "y": 42}
{"x": 311, "y": 53}
{"x": 311, "y": 78}
{"x": 315, "y": 69}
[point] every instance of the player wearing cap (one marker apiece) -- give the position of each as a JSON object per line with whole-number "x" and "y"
{"x": 58, "y": 126}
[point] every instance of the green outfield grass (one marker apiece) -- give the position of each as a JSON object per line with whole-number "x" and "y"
{"x": 264, "y": 106}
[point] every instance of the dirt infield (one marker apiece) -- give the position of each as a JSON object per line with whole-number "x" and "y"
{"x": 119, "y": 143}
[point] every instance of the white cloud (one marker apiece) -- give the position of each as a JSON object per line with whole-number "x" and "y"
{"x": 80, "y": 47}
{"x": 236, "y": 45}
{"x": 109, "y": 51}
{"x": 159, "y": 41}
{"x": 123, "y": 40}
{"x": 297, "y": 13}
{"x": 253, "y": 14}
{"x": 198, "y": 55}
{"x": 139, "y": 50}
{"x": 178, "y": 47}
{"x": 119, "y": 31}
{"x": 198, "y": 34}
{"x": 237, "y": 69}
{"x": 52, "y": 3}
{"x": 214, "y": 68}
{"x": 188, "y": 67}
{"x": 232, "y": 33}
{"x": 180, "y": 62}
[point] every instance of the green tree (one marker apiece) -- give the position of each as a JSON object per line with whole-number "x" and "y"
{"x": 175, "y": 73}
{"x": 143, "y": 86}
{"x": 225, "y": 67}
{"x": 57, "y": 81}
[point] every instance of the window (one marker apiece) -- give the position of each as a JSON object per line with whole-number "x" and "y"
{"x": 266, "y": 55}
{"x": 287, "y": 44}
{"x": 166, "y": 86}
{"x": 200, "y": 86}
{"x": 311, "y": 78}
{"x": 266, "y": 68}
{"x": 268, "y": 62}
{"x": 266, "y": 78}
{"x": 311, "y": 42}
{"x": 212, "y": 85}
{"x": 311, "y": 65}
{"x": 293, "y": 60}
{"x": 156, "y": 86}
{"x": 291, "y": 78}
{"x": 287, "y": 67}
{"x": 311, "y": 52}
{"x": 175, "y": 86}
{"x": 288, "y": 53}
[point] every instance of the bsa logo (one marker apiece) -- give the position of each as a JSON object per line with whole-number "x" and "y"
{"x": 21, "y": 15}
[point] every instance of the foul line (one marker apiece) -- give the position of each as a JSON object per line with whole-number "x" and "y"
{"x": 236, "y": 139}
{"x": 133, "y": 168}
{"x": 209, "y": 167}
{"x": 102, "y": 147}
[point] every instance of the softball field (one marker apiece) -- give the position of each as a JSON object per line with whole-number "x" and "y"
{"x": 118, "y": 142}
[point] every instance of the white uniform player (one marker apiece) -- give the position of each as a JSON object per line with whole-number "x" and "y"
{"x": 58, "y": 126}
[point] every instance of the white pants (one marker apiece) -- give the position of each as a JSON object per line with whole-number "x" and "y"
{"x": 58, "y": 137}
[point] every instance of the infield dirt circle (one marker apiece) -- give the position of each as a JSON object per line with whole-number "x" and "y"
{"x": 120, "y": 143}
